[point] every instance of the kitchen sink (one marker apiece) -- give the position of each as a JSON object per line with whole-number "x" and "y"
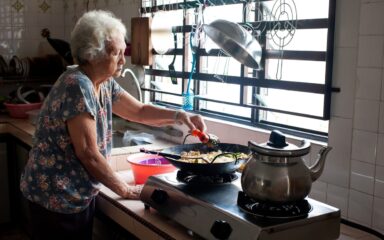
{"x": 118, "y": 140}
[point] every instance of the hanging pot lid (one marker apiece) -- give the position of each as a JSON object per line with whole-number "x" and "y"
{"x": 236, "y": 41}
{"x": 278, "y": 147}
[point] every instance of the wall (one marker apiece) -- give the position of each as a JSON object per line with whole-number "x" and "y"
{"x": 353, "y": 179}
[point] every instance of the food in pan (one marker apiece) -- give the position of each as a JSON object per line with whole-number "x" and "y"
{"x": 217, "y": 156}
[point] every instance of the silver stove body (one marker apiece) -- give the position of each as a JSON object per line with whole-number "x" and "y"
{"x": 211, "y": 211}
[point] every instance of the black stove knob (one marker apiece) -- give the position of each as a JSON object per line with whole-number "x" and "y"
{"x": 221, "y": 229}
{"x": 159, "y": 196}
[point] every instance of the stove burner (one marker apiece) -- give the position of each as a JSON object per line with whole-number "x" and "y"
{"x": 188, "y": 177}
{"x": 296, "y": 209}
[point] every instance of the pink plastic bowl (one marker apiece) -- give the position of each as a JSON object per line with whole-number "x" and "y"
{"x": 20, "y": 110}
{"x": 144, "y": 165}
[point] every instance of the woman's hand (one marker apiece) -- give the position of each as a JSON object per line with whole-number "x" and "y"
{"x": 133, "y": 192}
{"x": 193, "y": 121}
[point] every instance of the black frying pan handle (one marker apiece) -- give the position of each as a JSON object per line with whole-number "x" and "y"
{"x": 169, "y": 155}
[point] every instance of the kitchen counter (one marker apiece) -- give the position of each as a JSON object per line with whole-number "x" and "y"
{"x": 130, "y": 214}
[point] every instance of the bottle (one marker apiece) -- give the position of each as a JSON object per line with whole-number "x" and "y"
{"x": 209, "y": 139}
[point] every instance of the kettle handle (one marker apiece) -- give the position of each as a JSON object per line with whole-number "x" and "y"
{"x": 304, "y": 143}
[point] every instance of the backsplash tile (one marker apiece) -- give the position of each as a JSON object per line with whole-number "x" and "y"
{"x": 362, "y": 176}
{"x": 372, "y": 18}
{"x": 337, "y": 165}
{"x": 366, "y": 115}
{"x": 347, "y": 23}
{"x": 380, "y": 150}
{"x": 378, "y": 214}
{"x": 360, "y": 207}
{"x": 379, "y": 182}
{"x": 364, "y": 146}
{"x": 338, "y": 197}
{"x": 370, "y": 51}
{"x": 381, "y": 118}
{"x": 319, "y": 191}
{"x": 368, "y": 83}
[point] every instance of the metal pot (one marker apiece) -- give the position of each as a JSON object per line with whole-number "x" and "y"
{"x": 276, "y": 171}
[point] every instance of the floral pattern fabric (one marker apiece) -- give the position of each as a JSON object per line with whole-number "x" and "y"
{"x": 54, "y": 177}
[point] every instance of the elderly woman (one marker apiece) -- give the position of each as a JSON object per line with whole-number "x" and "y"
{"x": 72, "y": 144}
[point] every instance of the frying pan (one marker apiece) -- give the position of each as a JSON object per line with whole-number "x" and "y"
{"x": 206, "y": 168}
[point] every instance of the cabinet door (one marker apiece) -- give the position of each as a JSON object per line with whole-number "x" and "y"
{"x": 18, "y": 153}
{"x": 4, "y": 190}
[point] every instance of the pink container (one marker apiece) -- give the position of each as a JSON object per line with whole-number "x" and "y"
{"x": 20, "y": 110}
{"x": 144, "y": 165}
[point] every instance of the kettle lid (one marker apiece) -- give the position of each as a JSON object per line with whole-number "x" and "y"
{"x": 277, "y": 146}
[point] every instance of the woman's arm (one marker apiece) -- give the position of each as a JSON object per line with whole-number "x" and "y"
{"x": 82, "y": 130}
{"x": 131, "y": 109}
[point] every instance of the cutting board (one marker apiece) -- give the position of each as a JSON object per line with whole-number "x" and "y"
{"x": 141, "y": 44}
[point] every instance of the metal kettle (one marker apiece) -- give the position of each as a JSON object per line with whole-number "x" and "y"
{"x": 276, "y": 171}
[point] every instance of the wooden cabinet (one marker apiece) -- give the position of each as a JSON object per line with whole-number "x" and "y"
{"x": 5, "y": 214}
{"x": 17, "y": 152}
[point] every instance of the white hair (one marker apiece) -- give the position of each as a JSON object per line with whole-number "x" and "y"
{"x": 91, "y": 33}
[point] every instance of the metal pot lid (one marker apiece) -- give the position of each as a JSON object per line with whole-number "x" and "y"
{"x": 278, "y": 147}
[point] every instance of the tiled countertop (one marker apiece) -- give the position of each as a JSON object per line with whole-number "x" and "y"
{"x": 130, "y": 214}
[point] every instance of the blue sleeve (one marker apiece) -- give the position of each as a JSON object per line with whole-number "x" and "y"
{"x": 79, "y": 98}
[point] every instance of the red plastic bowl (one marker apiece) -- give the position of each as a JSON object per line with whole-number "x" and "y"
{"x": 144, "y": 165}
{"x": 19, "y": 110}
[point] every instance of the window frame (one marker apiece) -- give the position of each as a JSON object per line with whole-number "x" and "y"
{"x": 325, "y": 89}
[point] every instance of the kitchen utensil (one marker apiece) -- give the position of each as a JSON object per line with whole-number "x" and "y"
{"x": 172, "y": 156}
{"x": 171, "y": 67}
{"x": 235, "y": 41}
{"x": 276, "y": 171}
{"x": 206, "y": 169}
{"x": 188, "y": 96}
{"x": 145, "y": 165}
{"x": 208, "y": 139}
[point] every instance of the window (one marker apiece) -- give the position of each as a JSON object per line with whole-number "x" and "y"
{"x": 292, "y": 88}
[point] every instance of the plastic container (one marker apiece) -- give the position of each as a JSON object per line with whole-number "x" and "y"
{"x": 144, "y": 165}
{"x": 20, "y": 110}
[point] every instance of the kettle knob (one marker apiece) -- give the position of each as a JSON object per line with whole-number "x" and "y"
{"x": 277, "y": 139}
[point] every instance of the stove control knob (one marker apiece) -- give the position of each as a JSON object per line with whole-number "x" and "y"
{"x": 221, "y": 229}
{"x": 159, "y": 196}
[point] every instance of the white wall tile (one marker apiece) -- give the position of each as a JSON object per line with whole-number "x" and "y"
{"x": 368, "y": 85}
{"x": 366, "y": 115}
{"x": 362, "y": 176}
{"x": 338, "y": 197}
{"x": 380, "y": 150}
{"x": 381, "y": 118}
{"x": 337, "y": 165}
{"x": 379, "y": 182}
{"x": 319, "y": 191}
{"x": 378, "y": 214}
{"x": 370, "y": 51}
{"x": 360, "y": 207}
{"x": 347, "y": 23}
{"x": 372, "y": 18}
{"x": 364, "y": 146}
{"x": 344, "y": 77}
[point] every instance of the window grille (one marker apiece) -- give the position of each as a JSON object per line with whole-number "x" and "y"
{"x": 290, "y": 91}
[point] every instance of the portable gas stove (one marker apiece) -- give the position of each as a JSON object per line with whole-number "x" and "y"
{"x": 216, "y": 208}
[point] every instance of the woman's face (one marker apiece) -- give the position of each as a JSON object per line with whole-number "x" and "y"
{"x": 112, "y": 64}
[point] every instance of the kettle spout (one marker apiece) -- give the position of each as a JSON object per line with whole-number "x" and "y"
{"x": 317, "y": 169}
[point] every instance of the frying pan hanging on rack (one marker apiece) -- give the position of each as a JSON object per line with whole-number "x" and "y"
{"x": 236, "y": 41}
